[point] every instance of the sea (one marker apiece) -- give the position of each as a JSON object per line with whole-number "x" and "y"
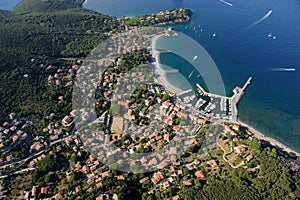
{"x": 8, "y": 4}
{"x": 244, "y": 38}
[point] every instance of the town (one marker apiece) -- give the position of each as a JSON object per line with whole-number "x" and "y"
{"x": 136, "y": 115}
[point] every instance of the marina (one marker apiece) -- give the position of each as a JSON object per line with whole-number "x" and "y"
{"x": 214, "y": 105}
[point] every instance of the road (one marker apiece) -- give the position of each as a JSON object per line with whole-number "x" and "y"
{"x": 32, "y": 156}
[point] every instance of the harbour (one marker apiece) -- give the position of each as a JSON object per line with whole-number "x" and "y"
{"x": 231, "y": 110}
{"x": 241, "y": 54}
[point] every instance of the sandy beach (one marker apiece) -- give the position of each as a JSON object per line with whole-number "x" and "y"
{"x": 162, "y": 79}
{"x": 272, "y": 141}
{"x": 162, "y": 76}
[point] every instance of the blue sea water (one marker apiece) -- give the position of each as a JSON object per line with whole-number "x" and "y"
{"x": 272, "y": 102}
{"x": 8, "y": 4}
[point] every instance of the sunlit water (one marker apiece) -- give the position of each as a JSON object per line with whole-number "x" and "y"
{"x": 240, "y": 49}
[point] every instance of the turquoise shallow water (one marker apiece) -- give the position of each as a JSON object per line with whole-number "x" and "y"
{"x": 271, "y": 104}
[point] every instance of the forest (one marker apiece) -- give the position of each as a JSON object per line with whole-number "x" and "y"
{"x": 58, "y": 33}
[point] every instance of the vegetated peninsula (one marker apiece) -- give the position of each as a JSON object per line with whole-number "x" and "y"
{"x": 43, "y": 44}
{"x": 46, "y": 5}
{"x": 37, "y": 37}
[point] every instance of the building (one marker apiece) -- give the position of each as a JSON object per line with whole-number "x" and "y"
{"x": 201, "y": 121}
{"x": 199, "y": 174}
{"x": 236, "y": 127}
{"x": 143, "y": 180}
{"x": 212, "y": 163}
{"x": 67, "y": 120}
{"x": 166, "y": 185}
{"x": 240, "y": 149}
{"x": 33, "y": 191}
{"x": 156, "y": 178}
{"x": 249, "y": 157}
{"x": 187, "y": 183}
{"x": 44, "y": 190}
{"x": 177, "y": 197}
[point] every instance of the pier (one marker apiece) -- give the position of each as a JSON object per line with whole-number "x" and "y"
{"x": 233, "y": 100}
{"x": 204, "y": 93}
{"x": 246, "y": 84}
{"x": 172, "y": 71}
{"x": 238, "y": 93}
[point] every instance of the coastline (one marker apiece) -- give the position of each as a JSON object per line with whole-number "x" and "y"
{"x": 85, "y": 2}
{"x": 259, "y": 135}
{"x": 162, "y": 79}
{"x": 162, "y": 75}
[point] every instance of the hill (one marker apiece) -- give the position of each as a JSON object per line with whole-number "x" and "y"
{"x": 46, "y": 5}
{"x": 4, "y": 14}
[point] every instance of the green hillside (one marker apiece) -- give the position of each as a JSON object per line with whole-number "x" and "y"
{"x": 46, "y": 5}
{"x": 5, "y": 15}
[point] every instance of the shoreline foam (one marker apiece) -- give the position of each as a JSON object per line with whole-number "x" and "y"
{"x": 259, "y": 135}
{"x": 84, "y": 3}
{"x": 163, "y": 81}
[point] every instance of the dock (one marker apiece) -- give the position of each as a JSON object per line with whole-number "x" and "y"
{"x": 246, "y": 84}
{"x": 204, "y": 93}
{"x": 233, "y": 100}
{"x": 237, "y": 95}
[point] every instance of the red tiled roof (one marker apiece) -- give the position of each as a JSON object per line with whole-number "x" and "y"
{"x": 199, "y": 174}
{"x": 157, "y": 178}
{"x": 187, "y": 183}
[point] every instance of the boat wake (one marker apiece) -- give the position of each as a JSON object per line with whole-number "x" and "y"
{"x": 227, "y": 3}
{"x": 283, "y": 69}
{"x": 260, "y": 20}
{"x": 191, "y": 74}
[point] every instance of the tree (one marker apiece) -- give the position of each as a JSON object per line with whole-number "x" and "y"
{"x": 177, "y": 120}
{"x": 46, "y": 164}
{"x": 74, "y": 158}
{"x": 165, "y": 97}
{"x": 50, "y": 177}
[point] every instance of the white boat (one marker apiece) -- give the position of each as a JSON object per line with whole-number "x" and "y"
{"x": 195, "y": 58}
{"x": 270, "y": 35}
{"x": 274, "y": 37}
{"x": 214, "y": 35}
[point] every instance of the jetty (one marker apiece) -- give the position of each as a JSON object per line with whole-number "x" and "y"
{"x": 237, "y": 95}
{"x": 171, "y": 71}
{"x": 238, "y": 92}
{"x": 204, "y": 93}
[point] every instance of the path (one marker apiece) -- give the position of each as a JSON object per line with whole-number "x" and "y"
{"x": 225, "y": 159}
